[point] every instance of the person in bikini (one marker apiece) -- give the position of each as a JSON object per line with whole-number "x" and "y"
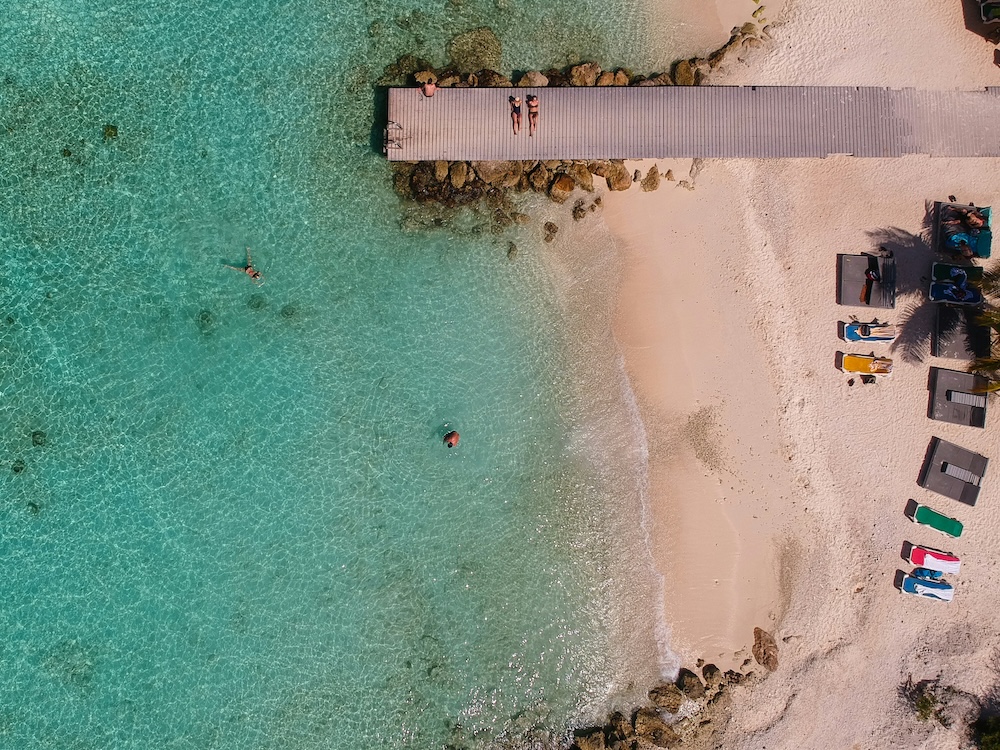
{"x": 532, "y": 114}
{"x": 249, "y": 270}
{"x": 515, "y": 113}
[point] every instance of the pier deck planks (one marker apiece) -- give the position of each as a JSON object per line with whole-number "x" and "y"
{"x": 639, "y": 122}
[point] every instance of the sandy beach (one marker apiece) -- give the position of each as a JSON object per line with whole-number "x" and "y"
{"x": 777, "y": 489}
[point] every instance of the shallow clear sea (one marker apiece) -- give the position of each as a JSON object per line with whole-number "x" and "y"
{"x": 228, "y": 519}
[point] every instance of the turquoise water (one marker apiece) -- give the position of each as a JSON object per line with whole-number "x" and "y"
{"x": 228, "y": 518}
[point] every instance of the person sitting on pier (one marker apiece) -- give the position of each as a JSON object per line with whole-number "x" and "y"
{"x": 515, "y": 113}
{"x": 428, "y": 88}
{"x": 532, "y": 114}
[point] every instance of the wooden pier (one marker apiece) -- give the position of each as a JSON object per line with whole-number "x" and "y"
{"x": 639, "y": 122}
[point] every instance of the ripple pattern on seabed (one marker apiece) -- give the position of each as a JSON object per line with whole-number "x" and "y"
{"x": 230, "y": 519}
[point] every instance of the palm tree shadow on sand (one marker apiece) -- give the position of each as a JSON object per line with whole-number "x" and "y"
{"x": 913, "y": 254}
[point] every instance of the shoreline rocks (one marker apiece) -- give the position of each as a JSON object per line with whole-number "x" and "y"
{"x": 685, "y": 713}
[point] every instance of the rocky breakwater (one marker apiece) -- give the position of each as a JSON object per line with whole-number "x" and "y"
{"x": 473, "y": 58}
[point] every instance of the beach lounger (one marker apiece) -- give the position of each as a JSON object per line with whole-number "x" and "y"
{"x": 866, "y": 280}
{"x": 874, "y": 331}
{"x": 954, "y": 397}
{"x": 865, "y": 364}
{"x": 928, "y": 589}
{"x": 953, "y": 294}
{"x": 934, "y": 559}
{"x": 953, "y": 471}
{"x": 951, "y": 231}
{"x": 951, "y": 271}
{"x": 989, "y": 11}
{"x": 926, "y": 516}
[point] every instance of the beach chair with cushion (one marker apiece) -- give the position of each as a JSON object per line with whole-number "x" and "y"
{"x": 934, "y": 559}
{"x": 927, "y": 516}
{"x": 953, "y": 471}
{"x": 865, "y": 364}
{"x": 927, "y": 588}
{"x": 957, "y": 397}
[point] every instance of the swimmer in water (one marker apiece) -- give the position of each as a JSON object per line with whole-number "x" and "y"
{"x": 249, "y": 270}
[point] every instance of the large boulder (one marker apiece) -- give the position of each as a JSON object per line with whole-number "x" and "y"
{"x": 667, "y": 696}
{"x": 440, "y": 171}
{"x": 534, "y": 80}
{"x": 581, "y": 176}
{"x": 497, "y": 172}
{"x": 651, "y": 727}
{"x": 475, "y": 50}
{"x": 425, "y": 76}
{"x": 540, "y": 178}
{"x": 584, "y": 74}
{"x": 589, "y": 739}
{"x": 622, "y": 78}
{"x": 490, "y": 79}
{"x": 652, "y": 179}
{"x": 765, "y": 649}
{"x": 618, "y": 729}
{"x": 561, "y": 188}
{"x": 690, "y": 684}
{"x": 459, "y": 172}
{"x": 713, "y": 675}
{"x": 684, "y": 73}
{"x": 617, "y": 176}
{"x": 607, "y": 78}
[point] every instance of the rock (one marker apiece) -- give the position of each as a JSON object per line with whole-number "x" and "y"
{"x": 459, "y": 172}
{"x": 618, "y": 177}
{"x": 578, "y": 210}
{"x": 401, "y": 173}
{"x": 690, "y": 684}
{"x": 622, "y": 78}
{"x": 556, "y": 77}
{"x": 533, "y": 79}
{"x": 607, "y": 78}
{"x": 425, "y": 76}
{"x": 589, "y": 739}
{"x": 552, "y": 165}
{"x": 669, "y": 175}
{"x": 584, "y": 74}
{"x": 664, "y": 79}
{"x": 667, "y": 696}
{"x": 652, "y": 180}
{"x": 447, "y": 81}
{"x": 540, "y": 178}
{"x": 110, "y": 132}
{"x": 683, "y": 73}
{"x": 600, "y": 168}
{"x": 650, "y": 727}
{"x": 765, "y": 649}
{"x": 520, "y": 218}
{"x": 490, "y": 79}
{"x": 581, "y": 176}
{"x": 512, "y": 251}
{"x": 513, "y": 177}
{"x": 38, "y": 438}
{"x": 618, "y": 729}
{"x": 475, "y": 50}
{"x": 496, "y": 172}
{"x": 713, "y": 675}
{"x": 647, "y": 82}
{"x": 734, "y": 678}
{"x": 550, "y": 231}
{"x": 752, "y": 42}
{"x": 561, "y": 188}
{"x": 440, "y": 171}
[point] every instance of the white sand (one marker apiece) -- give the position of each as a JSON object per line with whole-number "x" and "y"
{"x": 778, "y": 490}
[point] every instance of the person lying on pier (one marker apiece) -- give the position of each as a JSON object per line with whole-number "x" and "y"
{"x": 532, "y": 114}
{"x": 515, "y": 113}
